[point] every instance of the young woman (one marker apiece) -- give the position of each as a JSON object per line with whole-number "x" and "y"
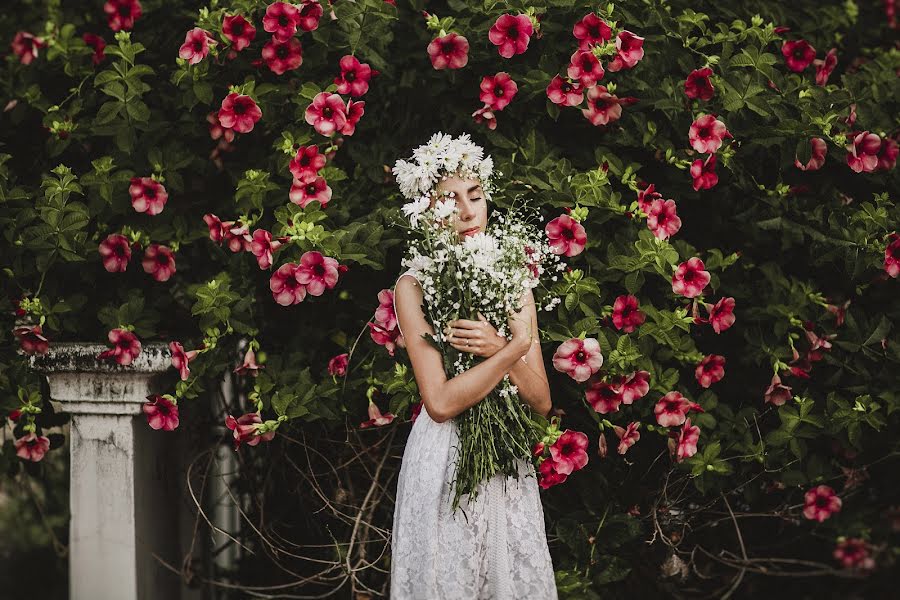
{"x": 496, "y": 546}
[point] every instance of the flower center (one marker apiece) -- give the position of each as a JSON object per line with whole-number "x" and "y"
{"x": 237, "y": 28}
{"x": 283, "y": 21}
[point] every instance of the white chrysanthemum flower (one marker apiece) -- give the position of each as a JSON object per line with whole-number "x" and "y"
{"x": 413, "y": 210}
{"x": 483, "y": 250}
{"x": 444, "y": 208}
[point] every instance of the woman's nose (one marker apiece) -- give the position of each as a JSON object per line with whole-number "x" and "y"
{"x": 465, "y": 210}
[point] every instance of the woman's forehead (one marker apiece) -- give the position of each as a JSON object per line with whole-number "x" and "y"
{"x": 458, "y": 184}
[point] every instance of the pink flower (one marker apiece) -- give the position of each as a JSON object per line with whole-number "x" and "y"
{"x": 548, "y": 476}
{"x": 376, "y": 419}
{"x": 604, "y": 397}
{"x": 627, "y": 436}
{"x": 147, "y": 195}
{"x": 777, "y": 393}
{"x": 389, "y": 338}
{"x": 591, "y": 30}
{"x": 853, "y": 553}
{"x": 31, "y": 339}
{"x": 327, "y": 113}
{"x": 817, "y": 156}
{"x": 285, "y": 288}
{"x": 602, "y": 107}
{"x": 121, "y": 14}
{"x": 569, "y": 452}
{"x": 239, "y": 31}
{"x": 237, "y": 237}
{"x": 25, "y": 46}
{"x": 629, "y": 51}
{"x": 707, "y": 133}
{"x": 511, "y": 34}
{"x": 216, "y": 130}
{"x": 317, "y": 272}
{"x": 646, "y": 197}
{"x": 239, "y": 112}
{"x": 690, "y": 278}
{"x": 578, "y": 358}
{"x": 688, "y": 436}
{"x": 116, "y": 252}
{"x": 585, "y": 68}
{"x": 302, "y": 193}
{"x": 635, "y": 386}
{"x": 181, "y": 359}
{"x": 626, "y": 316}
{"x": 249, "y": 365}
{"x": 662, "y": 219}
{"x": 282, "y": 55}
{"x": 820, "y": 502}
{"x": 825, "y": 67}
{"x": 126, "y": 347}
{"x": 798, "y": 54}
{"x": 354, "y": 110}
{"x": 485, "y": 115}
{"x": 710, "y": 370}
{"x": 887, "y": 155}
{"x": 385, "y": 314}
{"x": 721, "y": 315}
{"x": 450, "y": 51}
{"x": 354, "y": 77}
{"x": 566, "y": 236}
{"x": 244, "y": 430}
{"x": 310, "y": 13}
{"x": 602, "y": 448}
{"x": 307, "y": 163}
{"x": 161, "y": 412}
{"x": 337, "y": 366}
{"x": 672, "y": 409}
{"x": 416, "y": 409}
{"x": 159, "y": 262}
{"x": 862, "y": 153}
{"x": 263, "y": 248}
{"x": 281, "y": 20}
{"x": 497, "y": 91}
{"x": 196, "y": 45}
{"x": 32, "y": 447}
{"x": 698, "y": 86}
{"x": 98, "y": 44}
{"x": 565, "y": 93}
{"x": 892, "y": 256}
{"x": 704, "y": 173}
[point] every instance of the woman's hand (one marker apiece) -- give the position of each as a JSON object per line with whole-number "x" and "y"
{"x": 475, "y": 337}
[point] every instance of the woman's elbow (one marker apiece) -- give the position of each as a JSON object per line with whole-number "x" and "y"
{"x": 436, "y": 412}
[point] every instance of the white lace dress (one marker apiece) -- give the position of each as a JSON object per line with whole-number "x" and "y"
{"x": 500, "y": 552}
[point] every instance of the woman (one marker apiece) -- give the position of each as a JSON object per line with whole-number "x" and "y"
{"x": 496, "y": 546}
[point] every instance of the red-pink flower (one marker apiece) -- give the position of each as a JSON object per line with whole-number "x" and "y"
{"x": 337, "y": 366}
{"x": 585, "y": 68}
{"x": 147, "y": 195}
{"x": 32, "y": 447}
{"x": 244, "y": 430}
{"x": 887, "y": 155}
{"x": 707, "y": 134}
{"x": 777, "y": 393}
{"x": 892, "y": 256}
{"x": 239, "y": 31}
{"x": 196, "y": 45}
{"x": 603, "y": 396}
{"x": 602, "y": 107}
{"x": 302, "y": 193}
{"x": 239, "y": 112}
{"x": 264, "y": 247}
{"x": 629, "y": 51}
{"x": 450, "y": 51}
{"x": 688, "y": 436}
{"x": 698, "y": 86}
{"x": 181, "y": 359}
{"x": 385, "y": 314}
{"x": 578, "y": 358}
{"x": 591, "y": 30}
{"x": 862, "y": 153}
{"x": 690, "y": 278}
{"x": 249, "y": 365}
{"x": 662, "y": 219}
{"x": 376, "y": 419}
{"x": 389, "y": 338}
{"x": 307, "y": 162}
{"x": 161, "y": 413}
{"x": 569, "y": 452}
{"x": 626, "y": 316}
{"x": 310, "y": 13}
{"x": 485, "y": 115}
{"x": 25, "y": 46}
{"x": 116, "y": 252}
{"x": 31, "y": 339}
{"x": 497, "y": 91}
{"x": 354, "y": 110}
{"x": 825, "y": 66}
{"x": 627, "y": 436}
{"x": 710, "y": 370}
{"x": 216, "y": 130}
{"x": 126, "y": 346}
{"x": 703, "y": 173}
{"x": 820, "y": 502}
{"x": 282, "y": 55}
{"x": 281, "y": 20}
{"x": 237, "y": 236}
{"x": 817, "y": 156}
{"x": 327, "y": 113}
{"x": 98, "y": 44}
{"x": 511, "y": 34}
{"x": 121, "y": 14}
{"x": 721, "y": 315}
{"x": 317, "y": 272}
{"x": 354, "y": 77}
{"x": 635, "y": 386}
{"x": 566, "y": 236}
{"x": 798, "y": 54}
{"x": 159, "y": 262}
{"x": 672, "y": 409}
{"x": 548, "y": 475}
{"x": 564, "y": 92}
{"x": 285, "y": 288}
{"x": 416, "y": 409}
{"x": 853, "y": 553}
{"x": 646, "y": 197}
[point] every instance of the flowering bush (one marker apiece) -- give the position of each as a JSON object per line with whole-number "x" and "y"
{"x": 717, "y": 177}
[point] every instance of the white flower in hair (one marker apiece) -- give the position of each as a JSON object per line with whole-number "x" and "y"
{"x": 443, "y": 155}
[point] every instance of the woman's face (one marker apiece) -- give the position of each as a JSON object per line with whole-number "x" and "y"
{"x": 470, "y": 202}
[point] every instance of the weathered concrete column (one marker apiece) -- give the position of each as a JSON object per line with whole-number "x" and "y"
{"x": 124, "y": 497}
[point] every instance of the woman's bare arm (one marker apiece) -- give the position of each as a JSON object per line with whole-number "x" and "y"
{"x": 529, "y": 375}
{"x": 445, "y": 398}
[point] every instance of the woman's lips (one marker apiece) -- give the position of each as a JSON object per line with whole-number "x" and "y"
{"x": 470, "y": 231}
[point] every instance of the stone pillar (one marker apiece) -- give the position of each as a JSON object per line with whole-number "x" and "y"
{"x": 123, "y": 493}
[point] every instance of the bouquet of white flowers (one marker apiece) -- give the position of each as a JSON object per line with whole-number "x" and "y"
{"x": 486, "y": 273}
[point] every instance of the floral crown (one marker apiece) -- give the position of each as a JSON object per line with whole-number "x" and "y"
{"x": 443, "y": 155}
